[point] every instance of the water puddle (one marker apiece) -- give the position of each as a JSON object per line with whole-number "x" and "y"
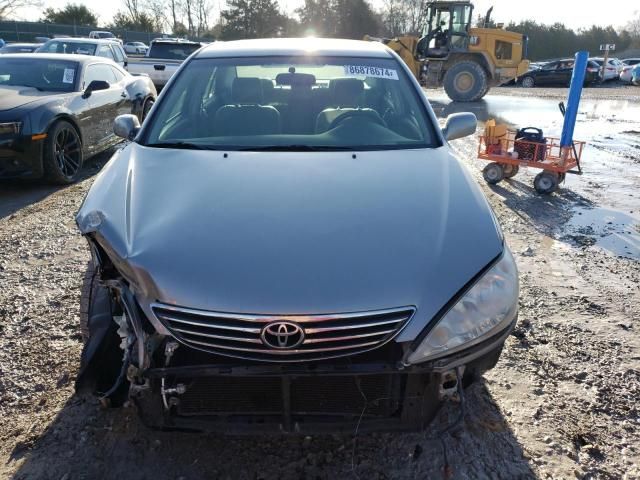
{"x": 612, "y": 230}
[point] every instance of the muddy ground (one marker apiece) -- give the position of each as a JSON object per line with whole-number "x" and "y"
{"x": 563, "y": 402}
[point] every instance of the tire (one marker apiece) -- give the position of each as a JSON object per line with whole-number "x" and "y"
{"x": 62, "y": 154}
{"x": 89, "y": 285}
{"x": 528, "y": 82}
{"x": 545, "y": 183}
{"x": 510, "y": 170}
{"x": 466, "y": 82}
{"x": 484, "y": 92}
{"x": 148, "y": 103}
{"x": 493, "y": 173}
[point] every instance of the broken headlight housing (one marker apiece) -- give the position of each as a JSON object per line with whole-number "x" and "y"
{"x": 485, "y": 309}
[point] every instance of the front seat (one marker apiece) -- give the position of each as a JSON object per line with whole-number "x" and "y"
{"x": 347, "y": 94}
{"x": 246, "y": 115}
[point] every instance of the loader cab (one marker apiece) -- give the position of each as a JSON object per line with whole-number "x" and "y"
{"x": 446, "y": 30}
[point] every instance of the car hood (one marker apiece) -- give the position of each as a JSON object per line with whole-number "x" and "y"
{"x": 16, "y": 96}
{"x": 290, "y": 232}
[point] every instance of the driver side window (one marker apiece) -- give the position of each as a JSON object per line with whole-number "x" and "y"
{"x": 98, "y": 72}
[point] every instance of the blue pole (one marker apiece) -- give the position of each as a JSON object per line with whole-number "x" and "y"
{"x": 573, "y": 102}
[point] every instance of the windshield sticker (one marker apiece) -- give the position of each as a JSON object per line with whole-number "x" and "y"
{"x": 366, "y": 71}
{"x": 69, "y": 73}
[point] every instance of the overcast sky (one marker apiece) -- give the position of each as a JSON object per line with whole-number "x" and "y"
{"x": 573, "y": 13}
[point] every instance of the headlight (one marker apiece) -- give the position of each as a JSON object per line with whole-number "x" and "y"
{"x": 11, "y": 128}
{"x": 488, "y": 307}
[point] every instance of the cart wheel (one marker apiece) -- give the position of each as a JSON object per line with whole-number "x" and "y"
{"x": 493, "y": 173}
{"x": 510, "y": 170}
{"x": 561, "y": 177}
{"x": 545, "y": 182}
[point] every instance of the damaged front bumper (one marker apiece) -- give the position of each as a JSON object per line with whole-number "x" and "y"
{"x": 176, "y": 387}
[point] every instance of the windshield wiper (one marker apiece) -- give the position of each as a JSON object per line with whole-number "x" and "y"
{"x": 178, "y": 145}
{"x": 295, "y": 148}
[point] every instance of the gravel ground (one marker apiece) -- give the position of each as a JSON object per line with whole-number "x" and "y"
{"x": 561, "y": 403}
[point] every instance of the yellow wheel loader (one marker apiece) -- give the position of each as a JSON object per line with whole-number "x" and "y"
{"x": 466, "y": 61}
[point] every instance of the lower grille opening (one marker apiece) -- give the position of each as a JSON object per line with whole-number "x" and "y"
{"x": 340, "y": 396}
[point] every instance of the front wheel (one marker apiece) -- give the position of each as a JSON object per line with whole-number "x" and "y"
{"x": 545, "y": 182}
{"x": 62, "y": 154}
{"x": 466, "y": 82}
{"x": 146, "y": 108}
{"x": 528, "y": 82}
{"x": 493, "y": 173}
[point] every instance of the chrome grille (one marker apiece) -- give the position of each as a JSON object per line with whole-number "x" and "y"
{"x": 325, "y": 336}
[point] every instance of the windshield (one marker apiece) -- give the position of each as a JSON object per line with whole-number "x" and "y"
{"x": 43, "y": 74}
{"x": 292, "y": 104}
{"x": 105, "y": 35}
{"x": 62, "y": 46}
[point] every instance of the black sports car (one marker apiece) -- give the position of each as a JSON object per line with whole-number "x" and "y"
{"x": 559, "y": 72}
{"x": 58, "y": 110}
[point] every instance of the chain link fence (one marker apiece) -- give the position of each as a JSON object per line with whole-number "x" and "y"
{"x": 12, "y": 31}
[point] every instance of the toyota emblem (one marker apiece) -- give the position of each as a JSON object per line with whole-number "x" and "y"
{"x": 282, "y": 335}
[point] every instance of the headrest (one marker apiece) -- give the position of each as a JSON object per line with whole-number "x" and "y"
{"x": 267, "y": 87}
{"x": 246, "y": 90}
{"x": 345, "y": 91}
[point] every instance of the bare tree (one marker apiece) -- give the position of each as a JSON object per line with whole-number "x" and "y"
{"x": 134, "y": 9}
{"x": 9, "y": 7}
{"x": 158, "y": 10}
{"x": 633, "y": 27}
{"x": 188, "y": 6}
{"x": 202, "y": 10}
{"x": 175, "y": 8}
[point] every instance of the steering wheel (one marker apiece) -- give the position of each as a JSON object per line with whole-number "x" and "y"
{"x": 370, "y": 115}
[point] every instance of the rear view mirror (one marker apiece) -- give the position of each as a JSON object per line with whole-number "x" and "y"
{"x": 96, "y": 85}
{"x": 459, "y": 125}
{"x": 296, "y": 79}
{"x": 126, "y": 126}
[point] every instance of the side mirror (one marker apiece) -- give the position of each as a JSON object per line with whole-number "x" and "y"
{"x": 94, "y": 86}
{"x": 459, "y": 125}
{"x": 126, "y": 126}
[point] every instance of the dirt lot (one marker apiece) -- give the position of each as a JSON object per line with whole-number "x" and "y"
{"x": 563, "y": 401}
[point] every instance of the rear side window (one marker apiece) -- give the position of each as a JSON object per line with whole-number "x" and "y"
{"x": 105, "y": 51}
{"x": 117, "y": 74}
{"x": 118, "y": 53}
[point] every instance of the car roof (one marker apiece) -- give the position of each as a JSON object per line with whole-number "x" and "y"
{"x": 174, "y": 40}
{"x": 22, "y": 44}
{"x": 98, "y": 41}
{"x": 73, "y": 57}
{"x": 295, "y": 47}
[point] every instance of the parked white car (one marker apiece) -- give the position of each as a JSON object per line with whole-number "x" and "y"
{"x": 136, "y": 48}
{"x": 627, "y": 69}
{"x": 612, "y": 70}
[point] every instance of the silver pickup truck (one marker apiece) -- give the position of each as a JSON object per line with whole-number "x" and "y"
{"x": 163, "y": 59}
